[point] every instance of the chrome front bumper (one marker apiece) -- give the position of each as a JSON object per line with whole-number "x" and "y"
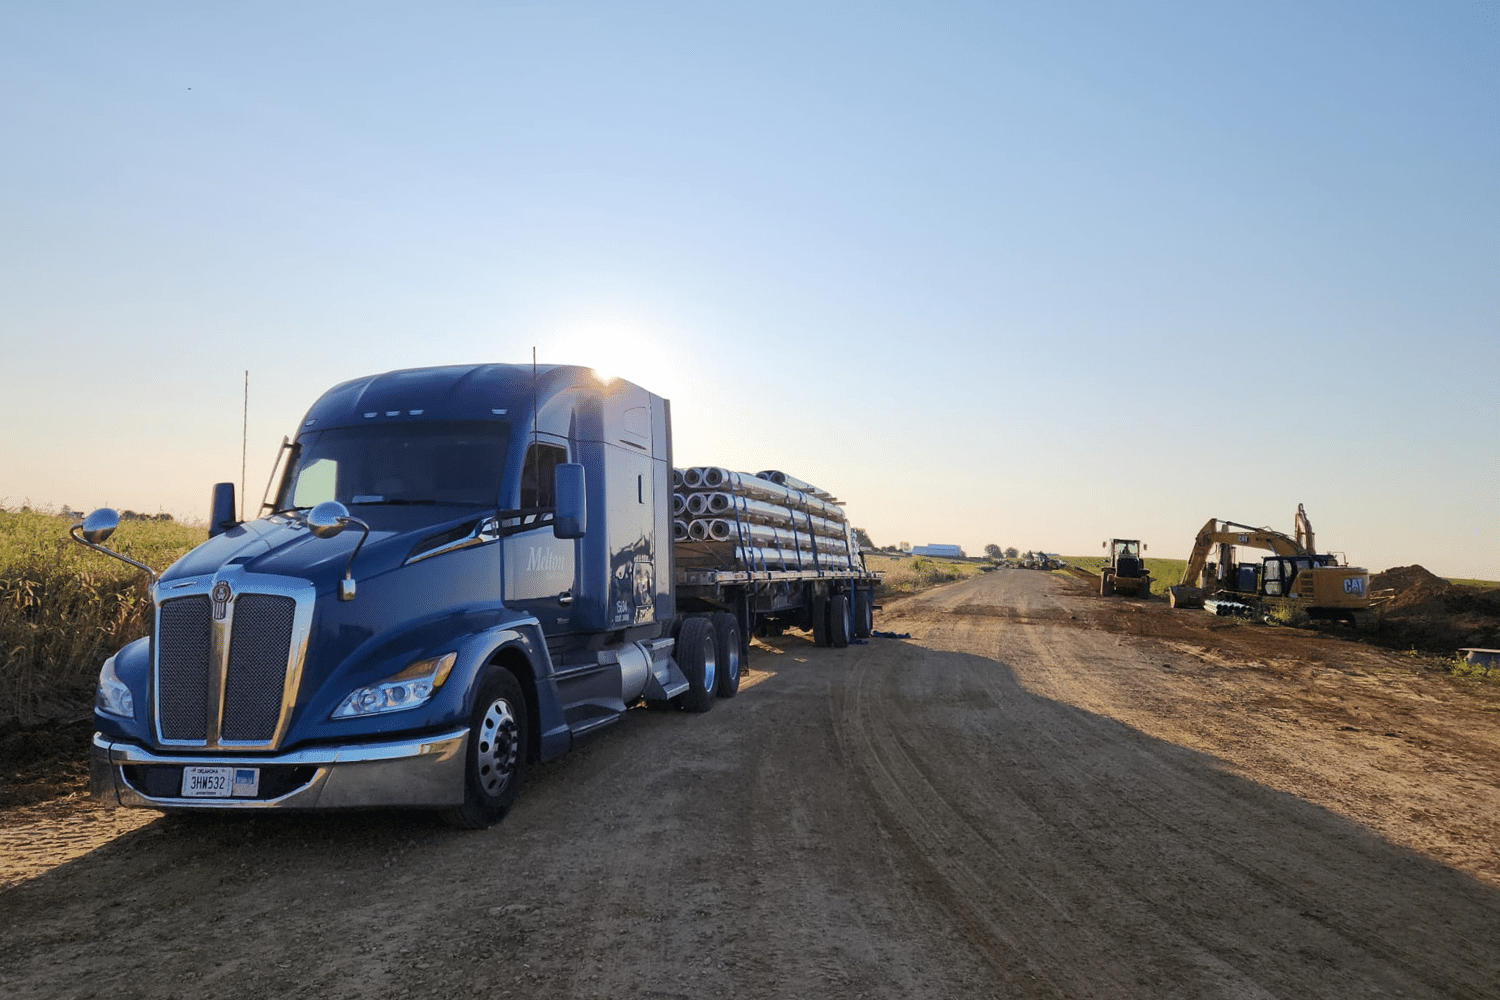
{"x": 420, "y": 773}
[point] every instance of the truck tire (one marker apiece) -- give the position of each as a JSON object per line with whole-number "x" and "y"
{"x": 864, "y": 614}
{"x": 728, "y": 651}
{"x": 698, "y": 661}
{"x": 1106, "y": 583}
{"x": 495, "y": 761}
{"x": 820, "y": 620}
{"x": 838, "y": 621}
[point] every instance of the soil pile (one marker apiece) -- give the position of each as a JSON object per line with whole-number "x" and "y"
{"x": 1419, "y": 610}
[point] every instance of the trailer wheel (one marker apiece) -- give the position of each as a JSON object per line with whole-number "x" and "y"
{"x": 697, "y": 660}
{"x": 495, "y": 763}
{"x": 838, "y": 621}
{"x": 820, "y": 620}
{"x": 864, "y": 614}
{"x": 728, "y": 651}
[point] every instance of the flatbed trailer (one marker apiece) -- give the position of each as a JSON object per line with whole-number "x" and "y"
{"x": 774, "y": 552}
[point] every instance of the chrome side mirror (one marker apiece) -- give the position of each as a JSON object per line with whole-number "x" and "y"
{"x": 95, "y": 531}
{"x": 99, "y": 525}
{"x": 329, "y": 519}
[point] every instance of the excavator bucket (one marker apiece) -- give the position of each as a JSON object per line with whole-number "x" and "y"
{"x": 1185, "y": 597}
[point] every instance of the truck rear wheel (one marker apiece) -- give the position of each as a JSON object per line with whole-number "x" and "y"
{"x": 495, "y": 761}
{"x": 864, "y": 614}
{"x": 728, "y": 650}
{"x": 820, "y": 620}
{"x": 838, "y": 621}
{"x": 697, "y": 659}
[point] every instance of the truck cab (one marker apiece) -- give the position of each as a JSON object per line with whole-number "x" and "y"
{"x": 463, "y": 570}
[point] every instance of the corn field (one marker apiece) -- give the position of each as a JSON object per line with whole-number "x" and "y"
{"x": 65, "y": 608}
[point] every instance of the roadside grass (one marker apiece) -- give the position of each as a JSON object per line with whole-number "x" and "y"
{"x": 907, "y": 575}
{"x": 1456, "y": 666}
{"x": 1164, "y": 572}
{"x": 64, "y": 608}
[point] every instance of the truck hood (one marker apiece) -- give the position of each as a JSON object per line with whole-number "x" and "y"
{"x": 282, "y": 545}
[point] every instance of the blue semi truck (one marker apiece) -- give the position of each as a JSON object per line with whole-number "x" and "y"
{"x": 460, "y": 572}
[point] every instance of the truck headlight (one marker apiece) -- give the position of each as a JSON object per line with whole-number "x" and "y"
{"x": 411, "y": 687}
{"x": 112, "y": 697}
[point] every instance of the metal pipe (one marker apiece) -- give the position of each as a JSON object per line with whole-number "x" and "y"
{"x": 680, "y": 531}
{"x": 797, "y": 484}
{"x": 757, "y": 488}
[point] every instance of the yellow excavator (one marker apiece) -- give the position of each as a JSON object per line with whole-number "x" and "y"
{"x": 1295, "y": 576}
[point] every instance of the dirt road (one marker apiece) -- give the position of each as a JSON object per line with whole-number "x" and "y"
{"x": 1042, "y": 793}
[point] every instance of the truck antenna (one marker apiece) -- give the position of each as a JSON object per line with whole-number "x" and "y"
{"x": 244, "y": 443}
{"x": 536, "y": 454}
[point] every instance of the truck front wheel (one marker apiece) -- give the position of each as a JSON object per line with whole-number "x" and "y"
{"x": 495, "y": 765}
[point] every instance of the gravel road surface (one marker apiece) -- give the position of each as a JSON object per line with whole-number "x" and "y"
{"x": 1042, "y": 793}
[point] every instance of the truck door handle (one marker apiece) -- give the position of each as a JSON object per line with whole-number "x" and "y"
{"x": 565, "y": 598}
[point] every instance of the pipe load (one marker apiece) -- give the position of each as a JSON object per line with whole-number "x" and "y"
{"x": 756, "y": 523}
{"x": 766, "y": 558}
{"x": 768, "y": 536}
{"x": 785, "y": 480}
{"x": 742, "y": 484}
{"x": 760, "y": 512}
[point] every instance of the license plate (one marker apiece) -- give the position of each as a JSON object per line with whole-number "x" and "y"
{"x": 220, "y": 782}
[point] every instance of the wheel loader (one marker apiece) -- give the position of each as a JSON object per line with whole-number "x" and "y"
{"x": 1125, "y": 572}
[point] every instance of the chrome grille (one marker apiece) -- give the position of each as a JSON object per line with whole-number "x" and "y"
{"x": 239, "y": 661}
{"x": 184, "y": 649}
{"x": 258, "y": 653}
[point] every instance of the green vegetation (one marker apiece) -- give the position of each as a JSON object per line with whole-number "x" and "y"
{"x": 1286, "y": 614}
{"x": 1489, "y": 584}
{"x": 64, "y": 608}
{"x": 909, "y": 575}
{"x": 1164, "y": 572}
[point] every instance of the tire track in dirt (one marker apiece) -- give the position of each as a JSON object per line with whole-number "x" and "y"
{"x": 1193, "y": 818}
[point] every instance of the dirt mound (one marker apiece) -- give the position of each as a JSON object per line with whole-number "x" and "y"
{"x": 1412, "y": 587}
{"x": 1419, "y": 610}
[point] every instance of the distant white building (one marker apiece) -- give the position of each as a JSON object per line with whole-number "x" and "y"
{"x": 945, "y": 551}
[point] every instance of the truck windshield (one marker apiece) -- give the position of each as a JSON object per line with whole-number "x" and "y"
{"x": 454, "y": 463}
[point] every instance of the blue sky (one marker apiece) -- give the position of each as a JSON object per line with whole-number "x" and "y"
{"x": 1027, "y": 273}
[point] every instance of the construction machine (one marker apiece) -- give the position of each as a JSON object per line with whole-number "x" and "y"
{"x": 1125, "y": 572}
{"x": 1295, "y": 576}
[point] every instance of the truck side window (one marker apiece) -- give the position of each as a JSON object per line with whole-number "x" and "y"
{"x": 536, "y": 475}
